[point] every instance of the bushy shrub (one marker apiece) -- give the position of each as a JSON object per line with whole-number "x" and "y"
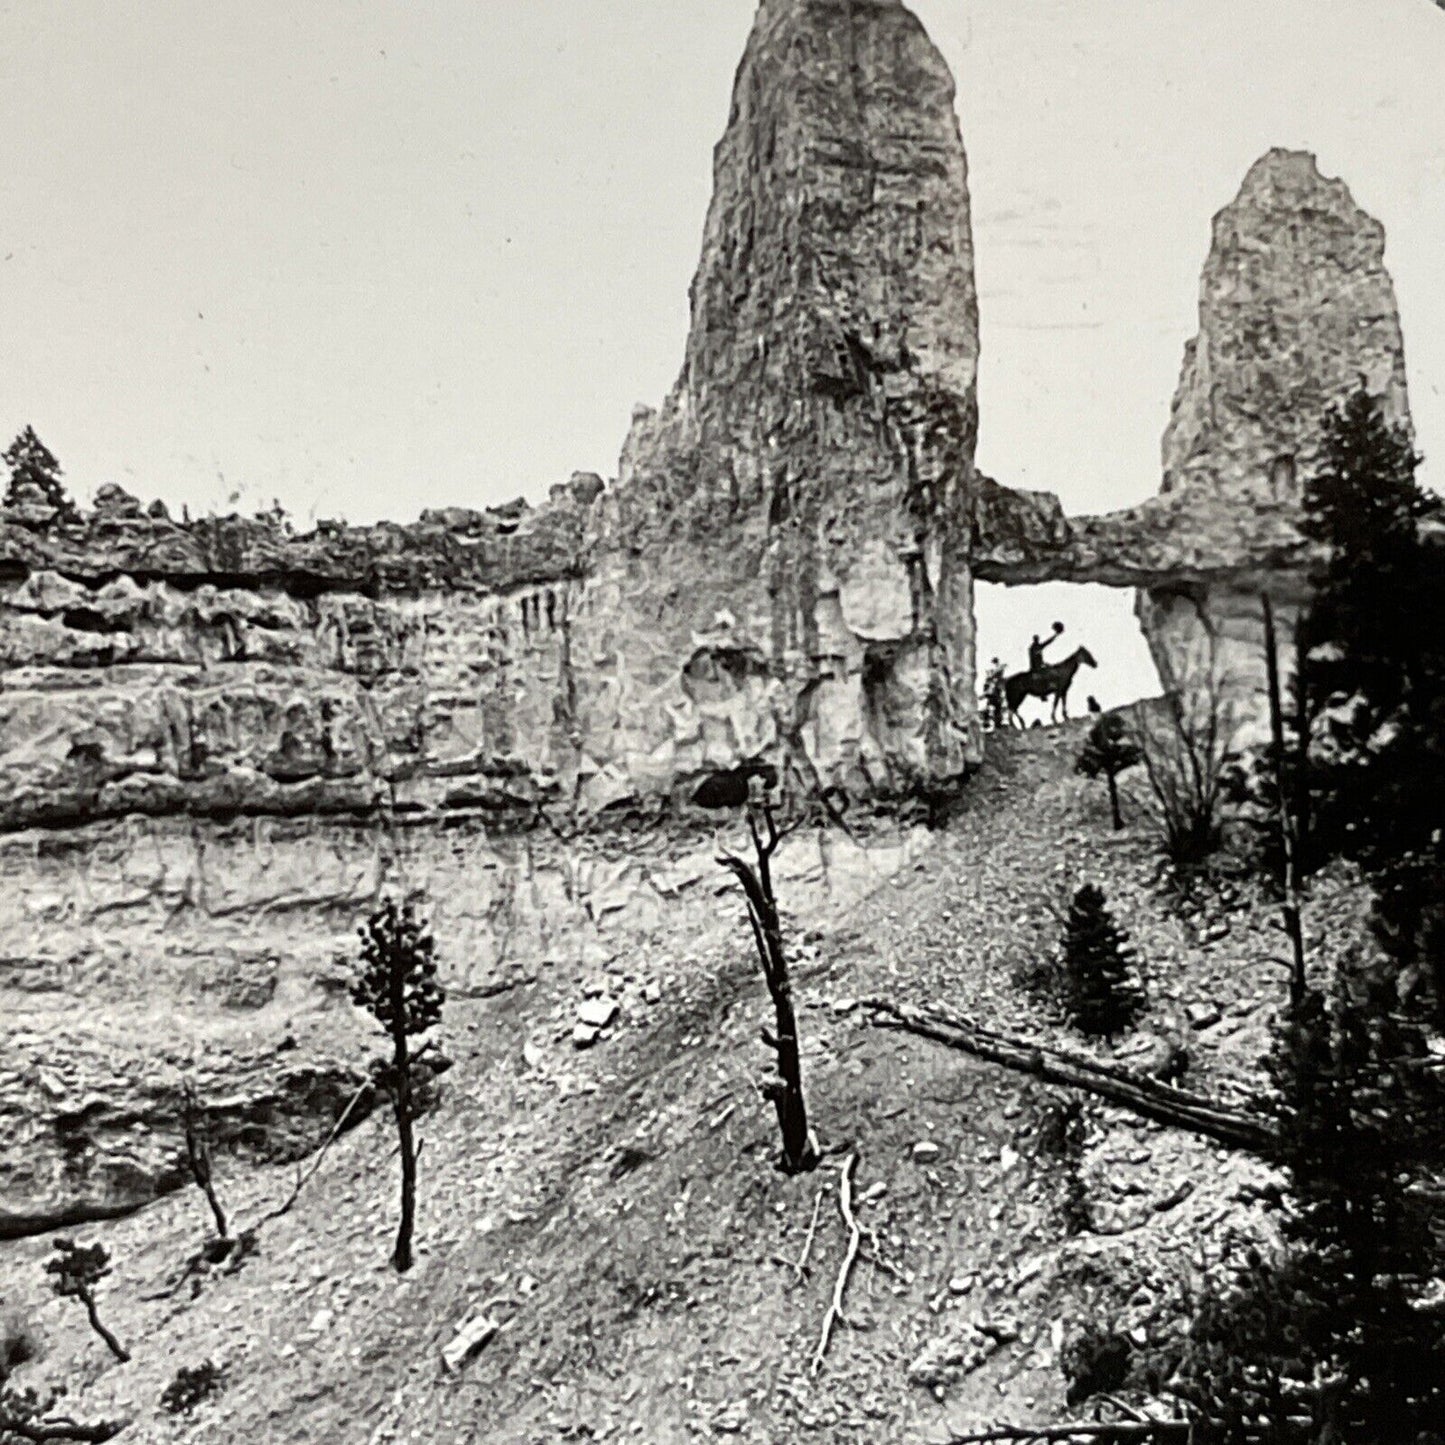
{"x": 1187, "y": 746}
{"x": 192, "y": 1386}
{"x": 1095, "y": 1362}
{"x": 18, "y": 1345}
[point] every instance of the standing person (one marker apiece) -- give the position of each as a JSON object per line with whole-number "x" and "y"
{"x": 994, "y": 703}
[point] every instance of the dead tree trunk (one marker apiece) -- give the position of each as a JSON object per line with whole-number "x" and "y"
{"x": 401, "y": 1104}
{"x": 1288, "y": 835}
{"x": 98, "y": 1325}
{"x": 1113, "y": 776}
{"x": 1130, "y": 1432}
{"x": 198, "y": 1156}
{"x": 1138, "y": 1092}
{"x": 40, "y": 1430}
{"x": 800, "y": 1153}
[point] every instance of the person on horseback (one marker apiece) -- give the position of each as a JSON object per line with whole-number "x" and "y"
{"x": 1037, "y": 646}
{"x": 1049, "y": 681}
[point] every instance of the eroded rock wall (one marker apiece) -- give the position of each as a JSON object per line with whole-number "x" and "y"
{"x": 780, "y": 568}
{"x": 784, "y": 565}
{"x": 151, "y": 667}
{"x": 139, "y": 954}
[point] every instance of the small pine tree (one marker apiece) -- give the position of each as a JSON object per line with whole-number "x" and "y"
{"x": 33, "y": 465}
{"x": 396, "y": 983}
{"x": 75, "y": 1271}
{"x": 1109, "y": 751}
{"x": 1100, "y": 989}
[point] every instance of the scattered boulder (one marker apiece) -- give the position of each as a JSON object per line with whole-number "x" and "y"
{"x": 475, "y": 1334}
{"x": 114, "y": 503}
{"x": 597, "y": 1013}
{"x": 1202, "y": 1015}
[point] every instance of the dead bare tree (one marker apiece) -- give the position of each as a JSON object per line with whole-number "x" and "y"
{"x": 835, "y": 1316}
{"x": 1186, "y": 744}
{"x": 800, "y": 1151}
{"x": 198, "y": 1155}
{"x": 1286, "y": 823}
{"x": 1118, "y": 1432}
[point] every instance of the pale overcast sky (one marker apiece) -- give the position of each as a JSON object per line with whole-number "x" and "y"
{"x": 367, "y": 256}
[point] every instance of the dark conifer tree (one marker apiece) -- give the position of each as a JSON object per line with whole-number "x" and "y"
{"x": 1346, "y": 1314}
{"x": 1101, "y": 992}
{"x": 396, "y": 983}
{"x": 33, "y": 465}
{"x": 1371, "y": 668}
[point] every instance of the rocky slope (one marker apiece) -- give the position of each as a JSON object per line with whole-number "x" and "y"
{"x": 615, "y": 1207}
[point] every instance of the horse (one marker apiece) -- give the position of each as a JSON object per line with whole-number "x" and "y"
{"x": 1050, "y": 681}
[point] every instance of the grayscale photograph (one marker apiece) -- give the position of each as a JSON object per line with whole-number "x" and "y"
{"x": 722, "y": 722}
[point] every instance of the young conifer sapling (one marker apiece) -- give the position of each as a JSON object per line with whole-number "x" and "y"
{"x": 396, "y": 983}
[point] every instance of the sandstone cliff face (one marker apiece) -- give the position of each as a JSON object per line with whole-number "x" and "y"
{"x": 138, "y": 954}
{"x": 227, "y": 667}
{"x": 781, "y": 566}
{"x": 785, "y": 564}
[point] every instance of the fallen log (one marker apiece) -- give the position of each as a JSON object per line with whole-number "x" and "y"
{"x": 1124, "y": 1432}
{"x": 19, "y": 1426}
{"x": 1161, "y": 1102}
{"x": 1118, "y": 1432}
{"x": 835, "y": 1314}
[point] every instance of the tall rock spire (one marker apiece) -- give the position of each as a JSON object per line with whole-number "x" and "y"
{"x": 840, "y": 208}
{"x": 1296, "y": 308}
{"x": 820, "y": 436}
